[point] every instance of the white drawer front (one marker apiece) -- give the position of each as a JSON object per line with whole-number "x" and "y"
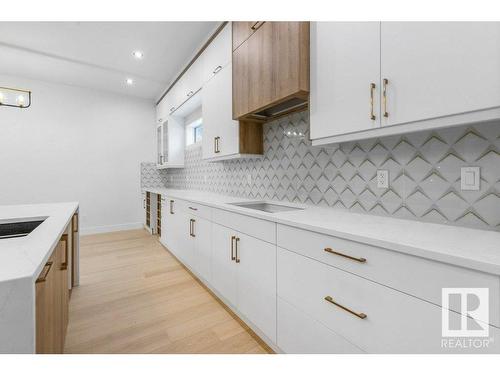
{"x": 413, "y": 275}
{"x": 300, "y": 334}
{"x": 258, "y": 228}
{"x": 194, "y": 209}
{"x": 395, "y": 322}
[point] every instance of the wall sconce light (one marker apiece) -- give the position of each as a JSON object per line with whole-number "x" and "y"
{"x": 10, "y": 97}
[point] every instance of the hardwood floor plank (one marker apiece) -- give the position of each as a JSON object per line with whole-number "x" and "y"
{"x": 135, "y": 297}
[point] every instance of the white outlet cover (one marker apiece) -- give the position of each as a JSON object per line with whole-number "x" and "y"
{"x": 470, "y": 178}
{"x": 383, "y": 179}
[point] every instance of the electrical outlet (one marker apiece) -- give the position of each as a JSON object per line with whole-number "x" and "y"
{"x": 249, "y": 179}
{"x": 470, "y": 178}
{"x": 383, "y": 179}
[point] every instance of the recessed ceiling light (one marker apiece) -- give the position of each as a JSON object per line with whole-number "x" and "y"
{"x": 130, "y": 81}
{"x": 138, "y": 54}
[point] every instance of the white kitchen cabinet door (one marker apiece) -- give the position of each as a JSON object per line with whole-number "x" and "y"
{"x": 223, "y": 266}
{"x": 221, "y": 132}
{"x": 183, "y": 243}
{"x": 345, "y": 63}
{"x": 437, "y": 69}
{"x": 218, "y": 54}
{"x": 202, "y": 230}
{"x": 256, "y": 264}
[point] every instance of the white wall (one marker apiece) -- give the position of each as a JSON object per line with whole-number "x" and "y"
{"x": 76, "y": 144}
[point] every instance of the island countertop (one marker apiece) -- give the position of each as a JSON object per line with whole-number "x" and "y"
{"x": 24, "y": 257}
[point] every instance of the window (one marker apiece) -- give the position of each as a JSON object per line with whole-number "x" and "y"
{"x": 198, "y": 133}
{"x": 194, "y": 132}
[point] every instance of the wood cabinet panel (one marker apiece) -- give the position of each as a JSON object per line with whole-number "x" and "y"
{"x": 242, "y": 31}
{"x": 52, "y": 299}
{"x": 271, "y": 68}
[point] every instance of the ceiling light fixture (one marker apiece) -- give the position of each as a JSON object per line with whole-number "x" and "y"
{"x": 22, "y": 97}
{"x": 130, "y": 81}
{"x": 138, "y": 54}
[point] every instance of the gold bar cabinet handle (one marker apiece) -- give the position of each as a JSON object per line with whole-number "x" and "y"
{"x": 372, "y": 91}
{"x": 384, "y": 94}
{"x": 47, "y": 268}
{"x": 237, "y": 240}
{"x": 232, "y": 247}
{"x": 360, "y": 260}
{"x": 216, "y": 145}
{"x": 64, "y": 265}
{"x": 359, "y": 315}
{"x": 76, "y": 219}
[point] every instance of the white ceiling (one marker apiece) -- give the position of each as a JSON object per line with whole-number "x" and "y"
{"x": 99, "y": 54}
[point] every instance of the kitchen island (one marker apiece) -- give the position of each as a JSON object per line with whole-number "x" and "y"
{"x": 25, "y": 265}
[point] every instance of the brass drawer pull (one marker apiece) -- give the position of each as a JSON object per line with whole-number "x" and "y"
{"x": 359, "y": 315}
{"x": 232, "y": 247}
{"x": 47, "y": 268}
{"x": 360, "y": 260}
{"x": 76, "y": 218}
{"x": 237, "y": 240}
{"x": 372, "y": 90}
{"x": 384, "y": 95}
{"x": 191, "y": 227}
{"x": 64, "y": 265}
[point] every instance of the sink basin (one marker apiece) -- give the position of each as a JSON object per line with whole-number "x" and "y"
{"x": 266, "y": 207}
{"x": 19, "y": 227}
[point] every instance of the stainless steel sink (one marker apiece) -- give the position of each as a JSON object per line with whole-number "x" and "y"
{"x": 266, "y": 207}
{"x": 19, "y": 227}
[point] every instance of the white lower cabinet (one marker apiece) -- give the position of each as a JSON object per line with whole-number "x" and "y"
{"x": 371, "y": 316}
{"x": 257, "y": 282}
{"x": 305, "y": 292}
{"x": 244, "y": 273}
{"x": 201, "y": 238}
{"x": 299, "y": 333}
{"x": 223, "y": 263}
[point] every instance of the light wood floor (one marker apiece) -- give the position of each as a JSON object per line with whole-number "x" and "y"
{"x": 135, "y": 297}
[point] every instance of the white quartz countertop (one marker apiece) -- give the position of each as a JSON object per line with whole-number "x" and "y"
{"x": 23, "y": 257}
{"x": 464, "y": 247}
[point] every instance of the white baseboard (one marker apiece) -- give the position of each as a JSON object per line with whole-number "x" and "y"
{"x": 110, "y": 228}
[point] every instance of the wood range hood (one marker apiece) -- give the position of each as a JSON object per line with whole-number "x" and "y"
{"x": 270, "y": 69}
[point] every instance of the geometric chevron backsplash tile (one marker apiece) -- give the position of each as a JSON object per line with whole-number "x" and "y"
{"x": 424, "y": 173}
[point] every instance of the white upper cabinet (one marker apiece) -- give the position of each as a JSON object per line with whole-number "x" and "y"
{"x": 218, "y": 54}
{"x": 377, "y": 79}
{"x": 439, "y": 69}
{"x": 221, "y": 132}
{"x": 345, "y": 75}
{"x": 170, "y": 143}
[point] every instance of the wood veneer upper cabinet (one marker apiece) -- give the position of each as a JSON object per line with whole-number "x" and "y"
{"x": 271, "y": 71}
{"x": 243, "y": 30}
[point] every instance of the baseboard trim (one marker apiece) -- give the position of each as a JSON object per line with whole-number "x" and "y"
{"x": 110, "y": 228}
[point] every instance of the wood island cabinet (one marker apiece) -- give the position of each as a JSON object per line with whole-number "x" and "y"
{"x": 52, "y": 293}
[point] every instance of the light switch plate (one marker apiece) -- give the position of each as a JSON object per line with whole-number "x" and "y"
{"x": 470, "y": 178}
{"x": 383, "y": 179}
